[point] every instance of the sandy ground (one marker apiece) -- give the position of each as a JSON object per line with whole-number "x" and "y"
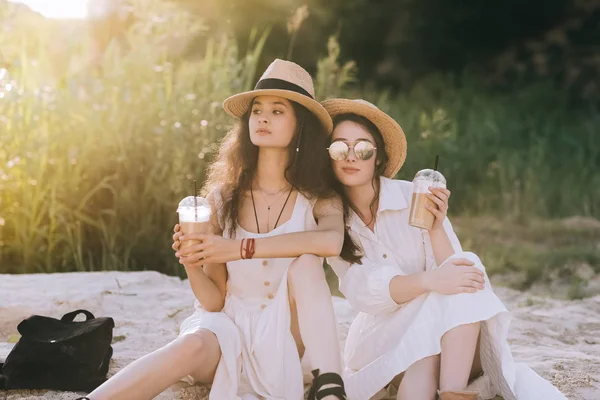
{"x": 559, "y": 339}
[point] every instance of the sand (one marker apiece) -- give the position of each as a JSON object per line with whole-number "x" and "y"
{"x": 559, "y": 339}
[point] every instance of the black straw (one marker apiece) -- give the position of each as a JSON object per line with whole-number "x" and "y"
{"x": 437, "y": 160}
{"x": 195, "y": 201}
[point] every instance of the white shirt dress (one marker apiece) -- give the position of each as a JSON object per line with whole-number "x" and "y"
{"x": 259, "y": 355}
{"x": 386, "y": 338}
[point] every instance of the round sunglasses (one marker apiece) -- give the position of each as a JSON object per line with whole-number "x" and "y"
{"x": 363, "y": 149}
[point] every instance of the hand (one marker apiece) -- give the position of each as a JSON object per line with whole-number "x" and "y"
{"x": 176, "y": 242}
{"x": 457, "y": 275}
{"x": 440, "y": 197}
{"x": 212, "y": 249}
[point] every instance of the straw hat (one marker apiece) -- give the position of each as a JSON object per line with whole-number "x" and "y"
{"x": 393, "y": 136}
{"x": 283, "y": 79}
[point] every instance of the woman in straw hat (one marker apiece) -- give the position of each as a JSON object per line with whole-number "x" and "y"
{"x": 426, "y": 328}
{"x": 262, "y": 297}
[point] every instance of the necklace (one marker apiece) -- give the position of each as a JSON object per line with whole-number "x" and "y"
{"x": 273, "y": 202}
{"x": 269, "y": 209}
{"x": 269, "y": 193}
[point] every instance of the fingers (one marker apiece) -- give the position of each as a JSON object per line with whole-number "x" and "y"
{"x": 176, "y": 236}
{"x": 177, "y": 228}
{"x": 475, "y": 271}
{"x": 191, "y": 258}
{"x": 195, "y": 236}
{"x": 473, "y": 283}
{"x": 193, "y": 249}
{"x": 193, "y": 265}
{"x": 442, "y": 193}
{"x": 442, "y": 204}
{"x": 467, "y": 289}
{"x": 479, "y": 277}
{"x": 175, "y": 246}
{"x": 439, "y": 215}
{"x": 463, "y": 261}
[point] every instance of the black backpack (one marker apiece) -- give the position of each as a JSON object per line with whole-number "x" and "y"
{"x": 59, "y": 354}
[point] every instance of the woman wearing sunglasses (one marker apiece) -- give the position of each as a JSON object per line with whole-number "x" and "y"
{"x": 429, "y": 322}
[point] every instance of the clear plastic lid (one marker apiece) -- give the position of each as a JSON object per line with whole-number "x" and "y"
{"x": 428, "y": 177}
{"x": 189, "y": 211}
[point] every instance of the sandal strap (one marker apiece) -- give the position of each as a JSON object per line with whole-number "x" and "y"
{"x": 328, "y": 378}
{"x": 337, "y": 391}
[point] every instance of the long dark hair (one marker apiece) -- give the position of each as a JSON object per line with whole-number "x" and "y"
{"x": 381, "y": 161}
{"x": 308, "y": 170}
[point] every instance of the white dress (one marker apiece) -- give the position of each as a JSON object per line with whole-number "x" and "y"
{"x": 259, "y": 355}
{"x": 386, "y": 338}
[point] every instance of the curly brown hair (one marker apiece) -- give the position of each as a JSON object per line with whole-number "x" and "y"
{"x": 308, "y": 170}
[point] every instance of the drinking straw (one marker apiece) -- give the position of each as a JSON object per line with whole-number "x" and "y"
{"x": 437, "y": 160}
{"x": 195, "y": 201}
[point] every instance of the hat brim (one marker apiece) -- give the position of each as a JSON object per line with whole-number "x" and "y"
{"x": 238, "y": 104}
{"x": 393, "y": 135}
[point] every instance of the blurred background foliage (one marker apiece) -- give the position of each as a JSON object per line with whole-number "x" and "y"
{"x": 105, "y": 122}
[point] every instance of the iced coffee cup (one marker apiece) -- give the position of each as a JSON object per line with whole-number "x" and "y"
{"x": 194, "y": 216}
{"x": 420, "y": 216}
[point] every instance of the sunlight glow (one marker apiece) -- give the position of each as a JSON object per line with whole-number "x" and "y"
{"x": 58, "y": 9}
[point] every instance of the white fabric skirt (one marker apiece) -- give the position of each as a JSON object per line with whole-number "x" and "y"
{"x": 259, "y": 357}
{"x": 379, "y": 347}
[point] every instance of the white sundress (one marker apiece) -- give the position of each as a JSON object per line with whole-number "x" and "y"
{"x": 259, "y": 355}
{"x": 386, "y": 338}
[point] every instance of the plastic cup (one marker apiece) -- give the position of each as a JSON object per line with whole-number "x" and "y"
{"x": 420, "y": 216}
{"x": 194, "y": 217}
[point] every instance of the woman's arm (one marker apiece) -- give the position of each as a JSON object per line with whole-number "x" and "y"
{"x": 441, "y": 234}
{"x": 207, "y": 280}
{"x": 380, "y": 289}
{"x": 325, "y": 241}
{"x": 453, "y": 276}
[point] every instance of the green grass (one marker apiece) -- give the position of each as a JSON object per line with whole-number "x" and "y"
{"x": 564, "y": 252}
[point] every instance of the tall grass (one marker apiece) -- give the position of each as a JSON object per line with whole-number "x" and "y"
{"x": 517, "y": 155}
{"x": 93, "y": 160}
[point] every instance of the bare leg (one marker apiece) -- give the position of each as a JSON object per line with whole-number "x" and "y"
{"x": 420, "y": 381}
{"x": 458, "y": 351}
{"x": 194, "y": 354}
{"x": 316, "y": 320}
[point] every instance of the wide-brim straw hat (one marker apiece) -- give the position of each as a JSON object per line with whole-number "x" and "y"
{"x": 393, "y": 135}
{"x": 283, "y": 79}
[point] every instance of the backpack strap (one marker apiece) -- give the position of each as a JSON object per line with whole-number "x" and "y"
{"x": 2, "y": 378}
{"x": 69, "y": 317}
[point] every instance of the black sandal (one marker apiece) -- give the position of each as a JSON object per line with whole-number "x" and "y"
{"x": 329, "y": 378}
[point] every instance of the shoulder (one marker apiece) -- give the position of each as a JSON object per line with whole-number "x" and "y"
{"x": 215, "y": 197}
{"x": 397, "y": 187}
{"x": 327, "y": 205}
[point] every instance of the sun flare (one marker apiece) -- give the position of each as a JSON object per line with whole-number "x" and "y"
{"x": 58, "y": 9}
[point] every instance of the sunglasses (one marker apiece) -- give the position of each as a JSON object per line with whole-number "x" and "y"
{"x": 363, "y": 150}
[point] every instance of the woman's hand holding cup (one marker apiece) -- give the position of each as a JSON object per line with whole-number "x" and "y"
{"x": 439, "y": 196}
{"x": 176, "y": 242}
{"x": 457, "y": 275}
{"x": 207, "y": 249}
